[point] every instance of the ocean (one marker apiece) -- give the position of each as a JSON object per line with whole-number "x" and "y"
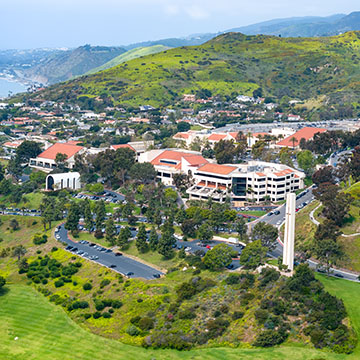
{"x": 6, "y": 86}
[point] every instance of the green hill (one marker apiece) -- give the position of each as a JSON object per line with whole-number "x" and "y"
{"x": 129, "y": 55}
{"x": 230, "y": 63}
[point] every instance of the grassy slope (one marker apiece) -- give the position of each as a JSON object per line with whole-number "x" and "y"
{"x": 129, "y": 55}
{"x": 45, "y": 332}
{"x": 229, "y": 63}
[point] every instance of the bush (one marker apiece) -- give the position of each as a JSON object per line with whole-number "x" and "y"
{"x": 59, "y": 283}
{"x": 106, "y": 315}
{"x": 54, "y": 249}
{"x": 270, "y": 338}
{"x": 146, "y": 323}
{"x": 87, "y": 316}
{"x": 96, "y": 315}
{"x": 216, "y": 327}
{"x": 133, "y": 330}
{"x": 135, "y": 320}
{"x": 261, "y": 316}
{"x": 87, "y": 286}
{"x": 187, "y": 314}
{"x": 104, "y": 283}
{"x": 237, "y": 315}
{"x": 39, "y": 239}
{"x": 116, "y": 304}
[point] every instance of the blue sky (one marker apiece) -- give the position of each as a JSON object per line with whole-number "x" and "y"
{"x": 28, "y": 24}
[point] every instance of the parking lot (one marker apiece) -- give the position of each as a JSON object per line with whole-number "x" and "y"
{"x": 115, "y": 261}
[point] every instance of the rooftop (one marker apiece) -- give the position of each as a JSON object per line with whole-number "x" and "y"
{"x": 306, "y": 133}
{"x": 63, "y": 148}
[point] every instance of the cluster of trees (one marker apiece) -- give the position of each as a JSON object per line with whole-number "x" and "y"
{"x": 114, "y": 166}
{"x": 336, "y": 205}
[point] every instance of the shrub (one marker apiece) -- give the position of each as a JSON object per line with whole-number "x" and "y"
{"x": 87, "y": 286}
{"x": 39, "y": 239}
{"x": 104, "y": 282}
{"x": 261, "y": 316}
{"x": 106, "y": 315}
{"x": 87, "y": 316}
{"x": 270, "y": 338}
{"x": 146, "y": 323}
{"x": 187, "y": 314}
{"x": 99, "y": 305}
{"x": 59, "y": 283}
{"x": 133, "y": 330}
{"x": 216, "y": 327}
{"x": 135, "y": 320}
{"x": 237, "y": 315}
{"x": 96, "y": 315}
{"x": 54, "y": 249}
{"x": 116, "y": 304}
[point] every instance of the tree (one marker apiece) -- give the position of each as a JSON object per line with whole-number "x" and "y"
{"x": 294, "y": 141}
{"x": 141, "y": 238}
{"x": 205, "y": 233}
{"x": 266, "y": 233}
{"x": 328, "y": 251}
{"x": 188, "y": 228}
{"x": 143, "y": 173}
{"x": 14, "y": 224}
{"x": 253, "y": 255}
{"x": 19, "y": 251}
{"x": 258, "y": 149}
{"x": 124, "y": 237}
{"x": 324, "y": 175}
{"x": 167, "y": 240}
{"x": 183, "y": 126}
{"x": 306, "y": 161}
{"x": 100, "y": 213}
{"x": 285, "y": 156}
{"x": 110, "y": 231}
{"x": 225, "y": 151}
{"x": 72, "y": 221}
{"x": 27, "y": 150}
{"x": 60, "y": 160}
{"x": 241, "y": 229}
{"x": 88, "y": 217}
{"x": 153, "y": 239}
{"x": 218, "y": 257}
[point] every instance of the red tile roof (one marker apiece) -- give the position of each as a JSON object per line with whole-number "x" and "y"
{"x": 217, "y": 137}
{"x": 122, "y": 146}
{"x": 217, "y": 169}
{"x": 306, "y": 133}
{"x": 181, "y": 136}
{"x": 177, "y": 156}
{"x": 67, "y": 149}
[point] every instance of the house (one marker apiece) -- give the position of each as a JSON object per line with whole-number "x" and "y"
{"x": 46, "y": 160}
{"x": 293, "y": 141}
{"x": 189, "y": 98}
{"x": 292, "y": 117}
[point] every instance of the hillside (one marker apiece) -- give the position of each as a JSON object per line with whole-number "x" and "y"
{"x": 129, "y": 55}
{"x": 304, "y": 26}
{"x": 230, "y": 63}
{"x": 65, "y": 65}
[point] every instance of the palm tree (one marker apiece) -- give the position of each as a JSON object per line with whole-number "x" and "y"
{"x": 19, "y": 251}
{"x": 293, "y": 140}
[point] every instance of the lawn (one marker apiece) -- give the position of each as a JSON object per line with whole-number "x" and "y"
{"x": 29, "y": 201}
{"x": 44, "y": 331}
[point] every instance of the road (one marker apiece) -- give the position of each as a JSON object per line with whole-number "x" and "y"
{"x": 123, "y": 263}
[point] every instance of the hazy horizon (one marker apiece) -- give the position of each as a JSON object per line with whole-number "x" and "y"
{"x": 62, "y": 23}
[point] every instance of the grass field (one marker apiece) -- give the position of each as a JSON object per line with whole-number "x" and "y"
{"x": 29, "y": 201}
{"x": 44, "y": 332}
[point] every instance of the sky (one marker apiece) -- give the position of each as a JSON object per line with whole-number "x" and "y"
{"x": 26, "y": 24}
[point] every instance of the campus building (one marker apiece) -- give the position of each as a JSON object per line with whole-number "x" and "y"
{"x": 69, "y": 180}
{"x": 255, "y": 181}
{"x": 172, "y": 161}
{"x": 46, "y": 160}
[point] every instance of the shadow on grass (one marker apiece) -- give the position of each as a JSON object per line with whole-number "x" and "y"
{"x": 4, "y": 291}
